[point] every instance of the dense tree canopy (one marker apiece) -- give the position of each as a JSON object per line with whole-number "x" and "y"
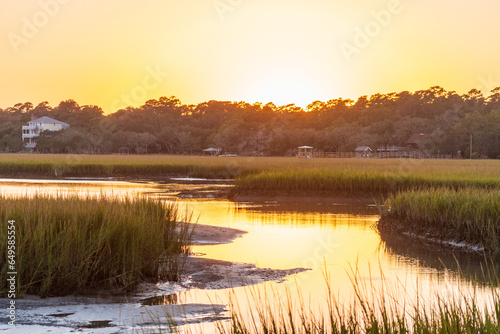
{"x": 168, "y": 126}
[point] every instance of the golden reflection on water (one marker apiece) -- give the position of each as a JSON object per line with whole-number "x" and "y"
{"x": 283, "y": 240}
{"x": 286, "y": 240}
{"x": 20, "y": 187}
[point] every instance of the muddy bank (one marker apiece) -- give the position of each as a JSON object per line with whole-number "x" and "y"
{"x": 150, "y": 304}
{"x": 142, "y": 311}
{"x": 214, "y": 235}
{"x": 202, "y": 273}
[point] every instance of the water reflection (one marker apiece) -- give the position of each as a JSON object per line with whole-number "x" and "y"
{"x": 440, "y": 259}
{"x": 316, "y": 206}
{"x": 290, "y": 214}
{"x": 110, "y": 187}
{"x": 25, "y": 187}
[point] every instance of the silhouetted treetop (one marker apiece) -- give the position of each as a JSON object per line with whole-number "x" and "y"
{"x": 166, "y": 125}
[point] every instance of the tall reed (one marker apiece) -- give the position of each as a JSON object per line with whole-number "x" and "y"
{"x": 67, "y": 244}
{"x": 373, "y": 309}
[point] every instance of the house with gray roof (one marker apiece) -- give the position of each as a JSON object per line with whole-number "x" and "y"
{"x": 37, "y": 126}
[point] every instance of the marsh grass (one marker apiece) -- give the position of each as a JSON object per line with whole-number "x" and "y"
{"x": 374, "y": 309}
{"x": 284, "y": 173}
{"x": 51, "y": 170}
{"x": 354, "y": 182}
{"x": 72, "y": 245}
{"x": 148, "y": 166}
{"x": 471, "y": 215}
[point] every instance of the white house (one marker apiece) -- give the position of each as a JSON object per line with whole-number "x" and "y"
{"x": 363, "y": 152}
{"x": 36, "y": 126}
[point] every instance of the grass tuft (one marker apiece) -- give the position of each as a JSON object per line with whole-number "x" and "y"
{"x": 71, "y": 245}
{"x": 468, "y": 215}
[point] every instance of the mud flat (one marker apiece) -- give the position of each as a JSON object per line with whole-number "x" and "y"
{"x": 214, "y": 235}
{"x": 150, "y": 304}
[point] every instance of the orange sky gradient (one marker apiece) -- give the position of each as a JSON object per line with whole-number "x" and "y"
{"x": 119, "y": 53}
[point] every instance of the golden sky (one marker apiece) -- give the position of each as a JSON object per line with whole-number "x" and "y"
{"x": 119, "y": 53}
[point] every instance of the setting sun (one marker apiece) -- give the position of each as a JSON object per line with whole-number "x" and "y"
{"x": 283, "y": 90}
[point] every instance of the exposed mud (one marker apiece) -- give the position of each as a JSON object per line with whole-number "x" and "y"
{"x": 151, "y": 304}
{"x": 214, "y": 235}
{"x": 211, "y": 274}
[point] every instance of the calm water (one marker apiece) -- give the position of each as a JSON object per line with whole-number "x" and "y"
{"x": 319, "y": 235}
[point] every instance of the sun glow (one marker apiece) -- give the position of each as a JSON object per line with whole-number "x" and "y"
{"x": 283, "y": 90}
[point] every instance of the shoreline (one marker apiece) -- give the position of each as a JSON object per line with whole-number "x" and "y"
{"x": 428, "y": 237}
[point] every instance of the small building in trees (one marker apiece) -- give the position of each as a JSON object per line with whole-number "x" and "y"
{"x": 211, "y": 151}
{"x": 37, "y": 125}
{"x": 388, "y": 148}
{"x": 32, "y": 147}
{"x": 416, "y": 140}
{"x": 124, "y": 150}
{"x": 363, "y": 151}
{"x": 305, "y": 152}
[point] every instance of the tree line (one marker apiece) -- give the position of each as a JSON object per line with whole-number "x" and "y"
{"x": 168, "y": 126}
